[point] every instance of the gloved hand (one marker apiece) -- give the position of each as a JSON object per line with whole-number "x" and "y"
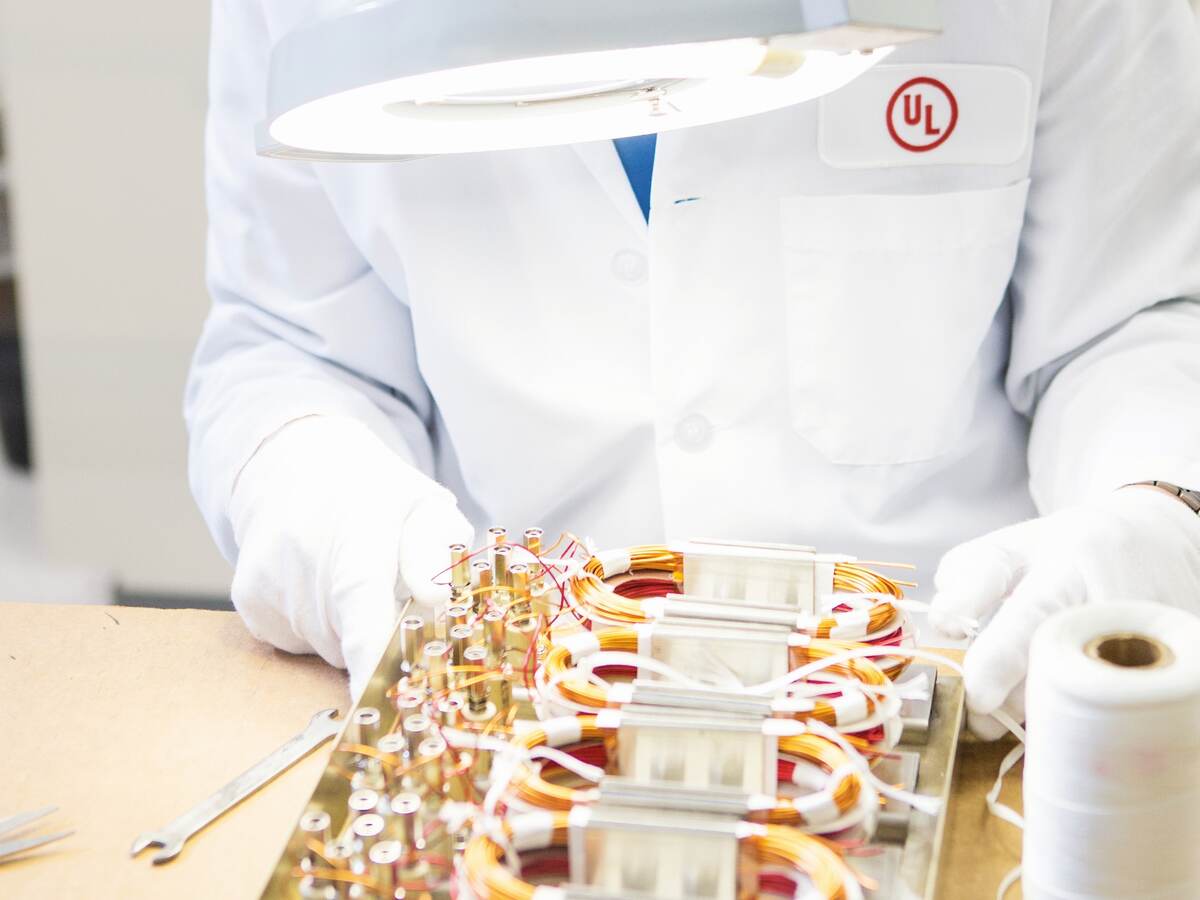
{"x": 1138, "y": 543}
{"x": 332, "y": 528}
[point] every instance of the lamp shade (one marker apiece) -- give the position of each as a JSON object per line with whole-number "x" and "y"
{"x": 402, "y": 78}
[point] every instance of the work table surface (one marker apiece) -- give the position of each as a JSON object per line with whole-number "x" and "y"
{"x": 124, "y": 718}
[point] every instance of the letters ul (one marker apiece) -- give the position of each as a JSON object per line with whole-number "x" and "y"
{"x": 913, "y": 113}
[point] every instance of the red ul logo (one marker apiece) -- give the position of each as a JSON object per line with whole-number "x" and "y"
{"x": 922, "y": 114}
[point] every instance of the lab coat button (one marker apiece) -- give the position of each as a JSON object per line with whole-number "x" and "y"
{"x": 630, "y": 266}
{"x": 693, "y": 433}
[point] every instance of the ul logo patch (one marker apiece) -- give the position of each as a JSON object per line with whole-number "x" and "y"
{"x": 922, "y": 114}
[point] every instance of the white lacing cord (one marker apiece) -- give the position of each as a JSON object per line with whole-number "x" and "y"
{"x": 924, "y": 803}
{"x": 1003, "y": 811}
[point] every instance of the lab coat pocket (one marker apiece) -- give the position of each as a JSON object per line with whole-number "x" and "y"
{"x": 888, "y": 299}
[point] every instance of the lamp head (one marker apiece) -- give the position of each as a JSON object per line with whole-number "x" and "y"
{"x": 400, "y": 78}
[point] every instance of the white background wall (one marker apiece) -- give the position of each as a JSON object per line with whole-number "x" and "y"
{"x": 104, "y": 107}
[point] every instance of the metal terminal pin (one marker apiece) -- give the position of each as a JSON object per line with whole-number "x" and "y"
{"x": 497, "y": 536}
{"x": 460, "y": 568}
{"x": 460, "y": 639}
{"x": 494, "y": 630}
{"x": 394, "y": 745}
{"x": 435, "y": 653}
{"x": 449, "y": 709}
{"x": 416, "y": 729}
{"x": 366, "y": 722}
{"x": 412, "y": 637}
{"x": 533, "y": 543}
{"x": 363, "y": 801}
{"x": 533, "y": 540}
{"x": 486, "y": 714}
{"x": 370, "y": 777}
{"x": 311, "y": 889}
{"x": 339, "y": 851}
{"x": 405, "y": 809}
{"x": 520, "y": 589}
{"x": 385, "y": 857}
{"x": 458, "y": 614}
{"x": 367, "y": 827}
{"x": 501, "y": 557}
{"x": 481, "y": 764}
{"x": 432, "y": 773}
{"x": 477, "y": 687}
{"x": 482, "y": 572}
{"x": 502, "y": 693}
{"x": 316, "y": 826}
{"x": 408, "y": 702}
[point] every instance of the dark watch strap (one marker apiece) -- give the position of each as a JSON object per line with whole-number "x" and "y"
{"x": 1191, "y": 498}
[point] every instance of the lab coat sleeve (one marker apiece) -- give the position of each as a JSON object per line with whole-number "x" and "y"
{"x": 300, "y": 323}
{"x": 1106, "y": 290}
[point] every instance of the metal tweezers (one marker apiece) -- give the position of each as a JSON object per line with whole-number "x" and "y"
{"x": 20, "y": 845}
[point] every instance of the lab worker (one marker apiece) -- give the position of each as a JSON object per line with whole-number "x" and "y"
{"x": 947, "y": 312}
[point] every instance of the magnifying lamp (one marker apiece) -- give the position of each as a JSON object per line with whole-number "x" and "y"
{"x": 398, "y": 78}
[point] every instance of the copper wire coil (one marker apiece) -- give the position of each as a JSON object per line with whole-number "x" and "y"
{"x": 591, "y": 592}
{"x": 559, "y": 660}
{"x": 529, "y": 785}
{"x": 869, "y": 673}
{"x": 828, "y": 757}
{"x": 777, "y": 845}
{"x": 824, "y": 866}
{"x": 486, "y": 873}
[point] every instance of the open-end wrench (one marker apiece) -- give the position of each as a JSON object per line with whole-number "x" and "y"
{"x": 171, "y": 838}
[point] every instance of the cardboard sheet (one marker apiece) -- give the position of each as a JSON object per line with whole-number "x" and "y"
{"x": 125, "y": 718}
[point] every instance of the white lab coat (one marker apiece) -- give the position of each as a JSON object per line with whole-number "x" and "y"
{"x": 820, "y": 338}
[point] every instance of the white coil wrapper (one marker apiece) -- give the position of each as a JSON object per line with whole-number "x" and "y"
{"x": 1112, "y": 770}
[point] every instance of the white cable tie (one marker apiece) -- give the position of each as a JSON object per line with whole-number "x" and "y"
{"x": 743, "y": 830}
{"x": 790, "y": 705}
{"x": 615, "y": 562}
{"x": 761, "y": 802}
{"x": 608, "y": 719}
{"x": 850, "y": 708}
{"x": 607, "y": 658}
{"x": 819, "y": 809}
{"x": 580, "y": 645}
{"x": 562, "y": 731}
{"x": 655, "y": 607}
{"x": 621, "y": 693}
{"x": 850, "y": 624}
{"x": 923, "y": 802}
{"x": 1001, "y": 810}
{"x": 586, "y": 771}
{"x": 865, "y": 652}
{"x": 532, "y": 831}
{"x": 1006, "y": 884}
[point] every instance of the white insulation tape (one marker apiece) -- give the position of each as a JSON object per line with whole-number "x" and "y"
{"x": 562, "y": 731}
{"x": 532, "y": 831}
{"x": 1112, "y": 766}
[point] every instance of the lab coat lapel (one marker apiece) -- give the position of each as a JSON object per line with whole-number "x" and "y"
{"x": 602, "y": 161}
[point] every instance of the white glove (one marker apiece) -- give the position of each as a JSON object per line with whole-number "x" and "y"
{"x": 1138, "y": 543}
{"x": 332, "y": 528}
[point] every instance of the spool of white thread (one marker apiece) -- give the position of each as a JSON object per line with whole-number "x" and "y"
{"x": 1112, "y": 767}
